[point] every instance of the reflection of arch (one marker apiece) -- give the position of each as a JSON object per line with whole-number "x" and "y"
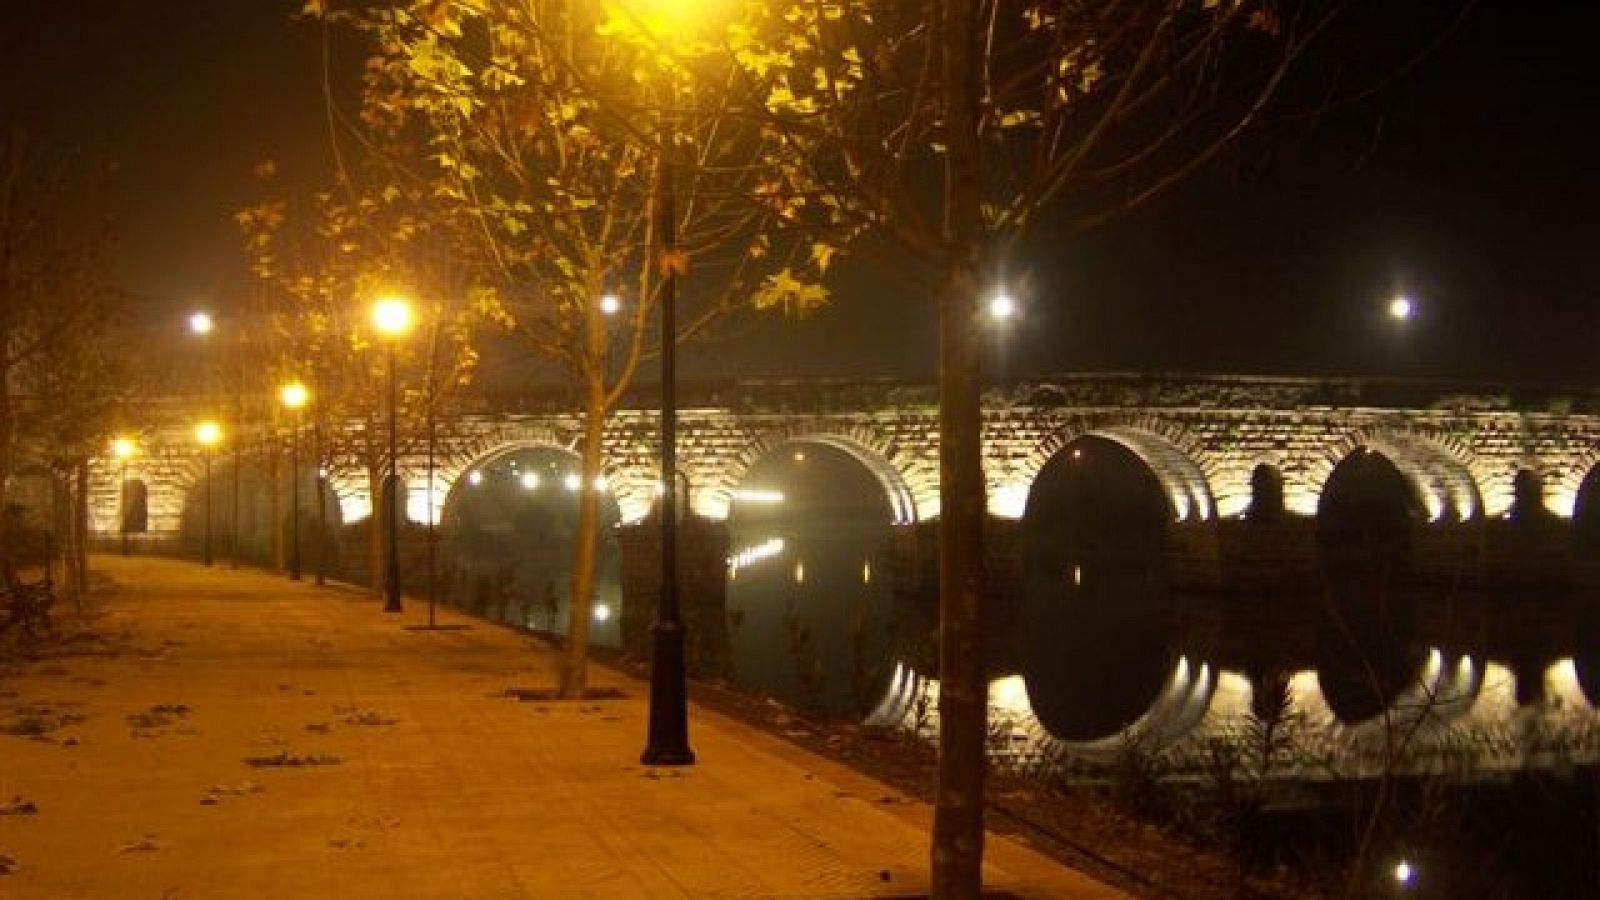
{"x": 1168, "y": 452}
{"x": 1439, "y": 472}
{"x": 909, "y": 487}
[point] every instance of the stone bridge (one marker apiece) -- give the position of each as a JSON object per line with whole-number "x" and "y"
{"x": 1492, "y": 599}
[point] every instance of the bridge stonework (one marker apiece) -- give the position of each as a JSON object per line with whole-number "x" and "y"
{"x": 1460, "y": 450}
{"x": 1201, "y": 437}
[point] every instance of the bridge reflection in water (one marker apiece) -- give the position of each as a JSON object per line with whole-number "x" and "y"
{"x": 1377, "y": 637}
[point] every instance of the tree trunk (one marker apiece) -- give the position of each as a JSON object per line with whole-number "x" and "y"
{"x": 957, "y": 853}
{"x": 575, "y": 660}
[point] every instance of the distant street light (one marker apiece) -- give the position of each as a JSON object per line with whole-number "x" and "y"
{"x": 392, "y": 317}
{"x": 1002, "y": 306}
{"x": 209, "y": 434}
{"x": 610, "y": 304}
{"x": 294, "y": 396}
{"x": 124, "y": 449}
{"x": 201, "y": 323}
{"x": 1401, "y": 308}
{"x": 1404, "y": 874}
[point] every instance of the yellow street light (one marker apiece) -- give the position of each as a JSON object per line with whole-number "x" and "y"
{"x": 208, "y": 433}
{"x": 392, "y": 316}
{"x": 122, "y": 448}
{"x": 201, "y": 323}
{"x": 293, "y": 395}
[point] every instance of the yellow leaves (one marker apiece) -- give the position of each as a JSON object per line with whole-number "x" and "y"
{"x": 264, "y": 217}
{"x": 822, "y": 255}
{"x": 783, "y": 291}
{"x": 782, "y": 100}
{"x": 1015, "y": 117}
{"x": 265, "y": 169}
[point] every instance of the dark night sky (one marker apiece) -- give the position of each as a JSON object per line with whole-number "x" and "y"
{"x": 1468, "y": 183}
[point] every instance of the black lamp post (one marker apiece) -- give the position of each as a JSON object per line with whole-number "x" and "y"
{"x": 208, "y": 433}
{"x": 123, "y": 449}
{"x": 392, "y": 318}
{"x": 294, "y": 396}
{"x": 668, "y": 741}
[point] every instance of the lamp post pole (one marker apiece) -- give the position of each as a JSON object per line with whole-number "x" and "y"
{"x": 206, "y": 543}
{"x": 122, "y": 492}
{"x": 668, "y": 740}
{"x": 294, "y": 501}
{"x": 391, "y": 601}
{"x": 123, "y": 449}
{"x": 293, "y": 396}
{"x": 322, "y": 500}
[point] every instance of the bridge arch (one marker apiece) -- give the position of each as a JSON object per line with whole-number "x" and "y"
{"x": 1439, "y": 470}
{"x": 1170, "y": 452}
{"x": 633, "y": 488}
{"x": 912, "y": 488}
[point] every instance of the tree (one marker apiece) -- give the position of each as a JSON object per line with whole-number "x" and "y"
{"x": 551, "y": 133}
{"x": 936, "y": 137}
{"x": 62, "y": 367}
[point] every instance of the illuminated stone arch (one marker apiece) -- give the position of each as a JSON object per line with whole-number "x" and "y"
{"x": 634, "y": 490}
{"x": 1439, "y": 469}
{"x": 911, "y": 488}
{"x": 1564, "y": 481}
{"x": 1170, "y": 452}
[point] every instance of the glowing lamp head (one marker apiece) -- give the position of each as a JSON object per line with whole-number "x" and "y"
{"x": 610, "y": 304}
{"x": 392, "y": 317}
{"x": 208, "y": 433}
{"x": 122, "y": 448}
{"x": 1401, "y": 308}
{"x": 293, "y": 395}
{"x": 201, "y": 323}
{"x": 1405, "y": 874}
{"x": 1002, "y": 307}
{"x": 673, "y": 18}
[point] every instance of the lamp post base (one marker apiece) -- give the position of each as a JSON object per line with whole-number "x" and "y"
{"x": 668, "y": 743}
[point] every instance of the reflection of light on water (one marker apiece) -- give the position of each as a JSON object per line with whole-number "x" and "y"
{"x": 475, "y": 478}
{"x": 530, "y": 481}
{"x": 1009, "y": 695}
{"x": 749, "y": 556}
{"x": 1561, "y": 684}
{"x": 799, "y": 573}
{"x": 759, "y": 497}
{"x": 866, "y": 572}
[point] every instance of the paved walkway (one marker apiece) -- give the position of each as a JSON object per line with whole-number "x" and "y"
{"x": 161, "y": 765}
